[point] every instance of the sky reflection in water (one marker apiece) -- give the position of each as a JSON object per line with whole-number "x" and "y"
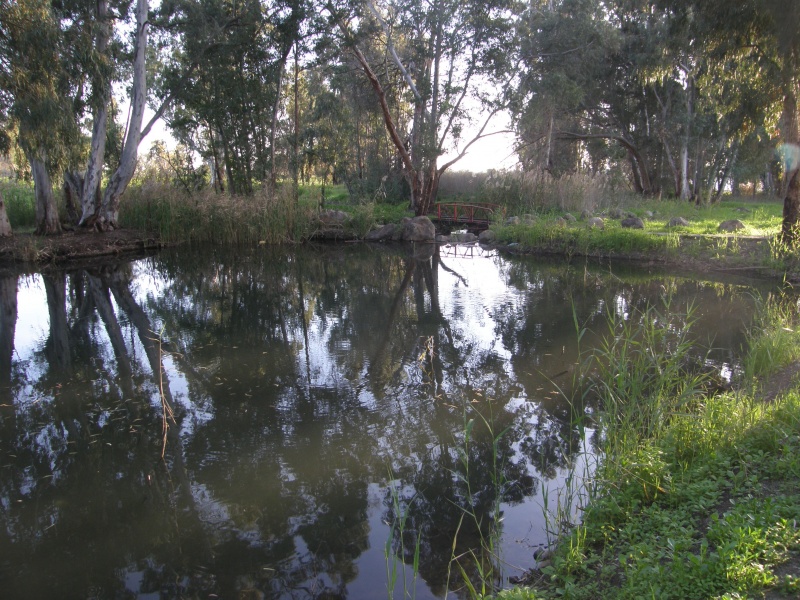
{"x": 320, "y": 394}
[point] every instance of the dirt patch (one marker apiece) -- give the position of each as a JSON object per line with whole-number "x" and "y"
{"x": 74, "y": 246}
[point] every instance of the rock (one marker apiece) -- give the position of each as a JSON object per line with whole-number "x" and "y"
{"x": 678, "y": 222}
{"x": 487, "y": 237}
{"x": 512, "y": 221}
{"x": 463, "y": 238}
{"x": 544, "y": 553}
{"x": 419, "y": 229}
{"x": 596, "y": 223}
{"x": 616, "y": 213}
{"x": 586, "y": 215}
{"x": 442, "y": 239}
{"x": 335, "y": 218}
{"x": 731, "y": 226}
{"x": 398, "y": 231}
{"x": 560, "y": 222}
{"x": 570, "y": 218}
{"x": 630, "y": 215}
{"x": 632, "y": 223}
{"x": 381, "y": 234}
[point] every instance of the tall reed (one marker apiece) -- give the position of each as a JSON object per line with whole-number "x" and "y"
{"x": 208, "y": 217}
{"x": 534, "y": 192}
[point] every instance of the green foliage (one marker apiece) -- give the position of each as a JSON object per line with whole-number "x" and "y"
{"x": 20, "y": 204}
{"x": 546, "y": 235}
{"x": 774, "y": 335}
{"x": 697, "y": 501}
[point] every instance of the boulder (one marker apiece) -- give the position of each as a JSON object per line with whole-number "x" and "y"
{"x": 560, "y": 222}
{"x": 678, "y": 222}
{"x": 398, "y": 231}
{"x": 442, "y": 239}
{"x": 333, "y": 218}
{"x": 463, "y": 238}
{"x": 381, "y": 234}
{"x": 616, "y": 213}
{"x": 419, "y": 229}
{"x": 596, "y": 223}
{"x": 632, "y": 223}
{"x": 731, "y": 226}
{"x": 586, "y": 215}
{"x": 512, "y": 221}
{"x": 487, "y": 237}
{"x": 570, "y": 218}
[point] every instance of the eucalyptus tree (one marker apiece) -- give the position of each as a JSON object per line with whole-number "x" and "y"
{"x": 761, "y": 39}
{"x": 231, "y": 102}
{"x": 448, "y": 54}
{"x": 632, "y": 82}
{"x": 38, "y": 94}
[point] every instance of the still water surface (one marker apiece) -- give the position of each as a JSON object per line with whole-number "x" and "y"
{"x": 320, "y": 395}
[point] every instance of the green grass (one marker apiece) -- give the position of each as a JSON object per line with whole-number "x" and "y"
{"x": 577, "y": 239}
{"x": 696, "y": 495}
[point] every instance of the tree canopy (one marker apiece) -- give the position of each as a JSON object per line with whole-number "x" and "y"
{"x": 680, "y": 98}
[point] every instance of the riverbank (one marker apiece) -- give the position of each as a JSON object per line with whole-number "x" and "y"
{"x": 666, "y": 522}
{"x": 697, "y": 495}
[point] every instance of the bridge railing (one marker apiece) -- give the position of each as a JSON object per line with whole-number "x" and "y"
{"x": 457, "y": 212}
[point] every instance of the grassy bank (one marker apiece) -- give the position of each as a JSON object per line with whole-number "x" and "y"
{"x": 696, "y": 494}
{"x": 699, "y": 242}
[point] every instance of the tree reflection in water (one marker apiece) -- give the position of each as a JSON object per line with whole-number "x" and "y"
{"x": 307, "y": 385}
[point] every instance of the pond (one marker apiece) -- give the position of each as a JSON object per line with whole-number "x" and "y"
{"x": 335, "y": 414}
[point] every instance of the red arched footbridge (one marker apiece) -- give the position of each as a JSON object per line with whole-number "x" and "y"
{"x": 473, "y": 217}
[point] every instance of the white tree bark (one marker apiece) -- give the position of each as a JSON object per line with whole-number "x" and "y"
{"x": 97, "y": 148}
{"x": 47, "y": 222}
{"x": 5, "y": 226}
{"x": 109, "y": 210}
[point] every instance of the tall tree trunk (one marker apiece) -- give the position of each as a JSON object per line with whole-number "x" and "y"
{"x": 97, "y": 147}
{"x": 791, "y": 138}
{"x": 109, "y": 211}
{"x": 5, "y": 225}
{"x": 47, "y": 222}
{"x": 273, "y": 175}
{"x": 296, "y": 145}
{"x": 685, "y": 190}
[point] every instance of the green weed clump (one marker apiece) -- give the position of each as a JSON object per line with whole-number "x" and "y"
{"x": 697, "y": 494}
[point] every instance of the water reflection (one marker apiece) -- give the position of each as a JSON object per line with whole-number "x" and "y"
{"x": 319, "y": 396}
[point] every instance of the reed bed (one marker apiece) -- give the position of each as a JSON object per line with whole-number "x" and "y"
{"x": 207, "y": 217}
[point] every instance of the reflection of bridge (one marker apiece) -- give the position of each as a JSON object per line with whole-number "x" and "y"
{"x": 454, "y": 215}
